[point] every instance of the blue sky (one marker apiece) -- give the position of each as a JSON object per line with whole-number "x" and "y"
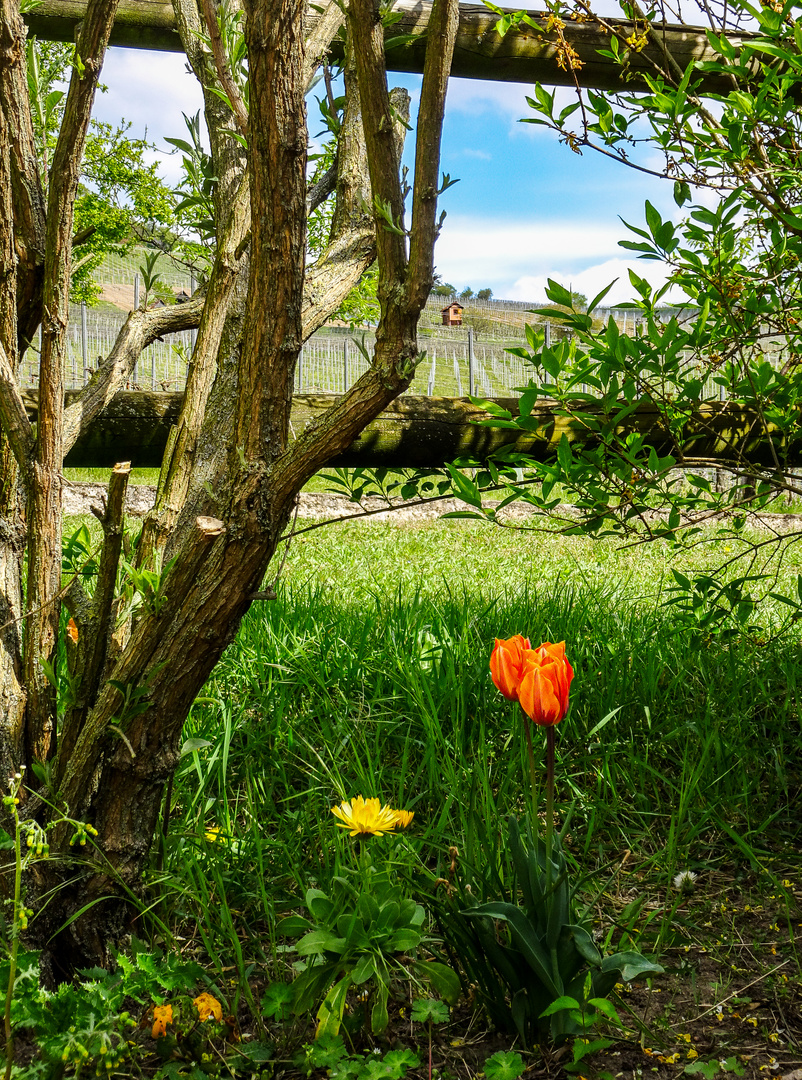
{"x": 526, "y": 207}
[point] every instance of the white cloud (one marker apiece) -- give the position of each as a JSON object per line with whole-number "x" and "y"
{"x": 150, "y": 90}
{"x": 593, "y": 279}
{"x": 482, "y": 155}
{"x": 515, "y": 258}
{"x": 498, "y": 248}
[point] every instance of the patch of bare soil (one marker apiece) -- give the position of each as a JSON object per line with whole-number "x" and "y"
{"x": 122, "y": 296}
{"x": 79, "y": 497}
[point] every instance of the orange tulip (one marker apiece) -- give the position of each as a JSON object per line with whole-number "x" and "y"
{"x": 544, "y": 684}
{"x": 507, "y": 664}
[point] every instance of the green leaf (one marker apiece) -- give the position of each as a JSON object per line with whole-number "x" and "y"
{"x": 442, "y": 979}
{"x": 606, "y": 1007}
{"x": 429, "y": 1011}
{"x": 558, "y": 294}
{"x": 564, "y": 456}
{"x": 404, "y": 940}
{"x": 293, "y": 926}
{"x": 526, "y": 940}
{"x": 320, "y": 941}
{"x": 504, "y": 1065}
{"x": 256, "y": 1051}
{"x": 191, "y": 745}
{"x": 364, "y": 969}
{"x": 330, "y": 1013}
{"x": 604, "y": 721}
{"x": 379, "y": 1017}
{"x": 319, "y": 904}
{"x": 631, "y": 965}
{"x": 560, "y": 1005}
{"x": 707, "y": 1069}
{"x": 585, "y": 945}
{"x": 465, "y": 488}
{"x": 277, "y": 1001}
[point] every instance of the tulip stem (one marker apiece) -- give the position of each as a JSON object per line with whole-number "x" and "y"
{"x": 549, "y": 801}
{"x": 532, "y": 768}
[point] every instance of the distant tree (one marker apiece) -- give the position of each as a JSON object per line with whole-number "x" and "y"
{"x": 479, "y": 325}
{"x": 579, "y": 301}
{"x": 466, "y": 293}
{"x": 484, "y": 294}
{"x": 444, "y": 289}
{"x": 121, "y": 199}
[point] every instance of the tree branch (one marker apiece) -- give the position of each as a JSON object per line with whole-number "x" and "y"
{"x": 139, "y": 330}
{"x": 396, "y": 350}
{"x": 14, "y": 419}
{"x": 26, "y": 183}
{"x": 442, "y": 35}
{"x": 94, "y": 622}
{"x": 366, "y": 32}
{"x": 44, "y": 504}
{"x": 223, "y": 72}
{"x": 324, "y": 26}
{"x": 277, "y": 163}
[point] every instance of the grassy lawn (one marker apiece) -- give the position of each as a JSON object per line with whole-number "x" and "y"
{"x": 368, "y": 675}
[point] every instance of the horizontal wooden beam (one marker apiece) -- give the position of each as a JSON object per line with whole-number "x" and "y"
{"x": 523, "y": 55}
{"x": 423, "y": 432}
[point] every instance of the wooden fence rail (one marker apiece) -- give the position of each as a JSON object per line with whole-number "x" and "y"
{"x": 420, "y": 432}
{"x": 480, "y": 53}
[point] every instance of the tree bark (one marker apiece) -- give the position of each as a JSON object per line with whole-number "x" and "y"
{"x": 44, "y": 503}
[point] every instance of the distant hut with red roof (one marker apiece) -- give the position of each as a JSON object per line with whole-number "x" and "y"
{"x": 452, "y": 315}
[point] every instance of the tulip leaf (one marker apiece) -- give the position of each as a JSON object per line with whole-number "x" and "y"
{"x": 525, "y": 938}
{"x": 443, "y": 979}
{"x": 631, "y": 965}
{"x": 585, "y": 946}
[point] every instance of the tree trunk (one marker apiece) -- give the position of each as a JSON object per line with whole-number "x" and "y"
{"x": 121, "y": 733}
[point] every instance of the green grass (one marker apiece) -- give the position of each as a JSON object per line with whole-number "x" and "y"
{"x": 369, "y": 676}
{"x": 101, "y": 476}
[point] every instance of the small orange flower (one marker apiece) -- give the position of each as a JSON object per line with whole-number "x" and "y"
{"x": 162, "y": 1016}
{"x": 507, "y": 663}
{"x": 208, "y": 1007}
{"x": 545, "y": 683}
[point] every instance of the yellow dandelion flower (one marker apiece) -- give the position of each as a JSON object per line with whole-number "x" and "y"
{"x": 404, "y": 818}
{"x": 365, "y": 817}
